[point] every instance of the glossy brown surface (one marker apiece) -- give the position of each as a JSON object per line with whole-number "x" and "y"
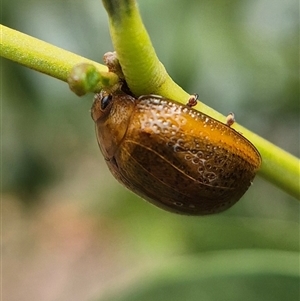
{"x": 175, "y": 157}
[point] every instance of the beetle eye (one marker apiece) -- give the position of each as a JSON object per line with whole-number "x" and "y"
{"x": 105, "y": 101}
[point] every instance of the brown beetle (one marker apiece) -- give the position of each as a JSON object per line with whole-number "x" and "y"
{"x": 175, "y": 157}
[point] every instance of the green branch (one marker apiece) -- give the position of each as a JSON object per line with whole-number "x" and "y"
{"x": 144, "y": 74}
{"x": 136, "y": 53}
{"x": 46, "y": 58}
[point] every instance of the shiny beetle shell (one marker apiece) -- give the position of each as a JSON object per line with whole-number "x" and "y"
{"x": 175, "y": 157}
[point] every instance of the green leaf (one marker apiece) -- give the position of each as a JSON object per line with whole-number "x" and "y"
{"x": 246, "y": 275}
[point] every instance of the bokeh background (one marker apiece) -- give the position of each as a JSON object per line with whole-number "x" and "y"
{"x": 71, "y": 232}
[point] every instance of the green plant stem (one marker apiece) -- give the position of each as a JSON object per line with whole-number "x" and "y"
{"x": 136, "y": 53}
{"x": 278, "y": 166}
{"x": 46, "y": 58}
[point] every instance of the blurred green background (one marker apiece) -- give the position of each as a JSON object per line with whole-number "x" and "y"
{"x": 71, "y": 232}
